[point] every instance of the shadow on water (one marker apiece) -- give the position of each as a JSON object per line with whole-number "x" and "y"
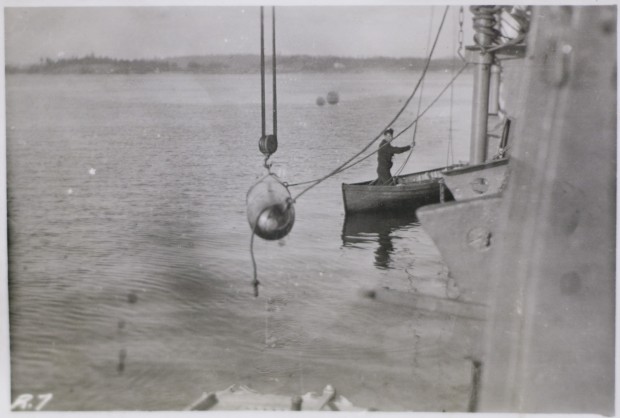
{"x": 382, "y": 228}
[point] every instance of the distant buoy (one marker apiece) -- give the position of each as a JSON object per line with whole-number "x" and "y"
{"x": 332, "y": 97}
{"x": 270, "y": 209}
{"x": 320, "y": 101}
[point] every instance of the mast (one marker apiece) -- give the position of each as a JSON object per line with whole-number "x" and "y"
{"x": 484, "y": 21}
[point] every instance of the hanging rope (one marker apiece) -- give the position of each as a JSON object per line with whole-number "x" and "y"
{"x": 270, "y": 208}
{"x": 402, "y": 109}
{"x": 255, "y": 282}
{"x": 347, "y": 164}
{"x": 465, "y": 65}
{"x": 415, "y": 130}
{"x": 262, "y": 74}
{"x": 461, "y": 33}
{"x": 268, "y": 144}
{"x": 273, "y": 71}
{"x": 450, "y": 150}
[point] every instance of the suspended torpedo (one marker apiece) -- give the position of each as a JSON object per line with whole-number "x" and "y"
{"x": 270, "y": 207}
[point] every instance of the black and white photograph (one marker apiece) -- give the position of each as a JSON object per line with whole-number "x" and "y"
{"x": 405, "y": 207}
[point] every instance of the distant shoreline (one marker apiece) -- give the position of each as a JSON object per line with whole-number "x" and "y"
{"x": 228, "y": 64}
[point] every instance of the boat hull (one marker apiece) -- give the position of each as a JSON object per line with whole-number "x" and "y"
{"x": 410, "y": 192}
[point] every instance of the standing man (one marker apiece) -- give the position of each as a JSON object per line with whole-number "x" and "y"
{"x": 385, "y": 154}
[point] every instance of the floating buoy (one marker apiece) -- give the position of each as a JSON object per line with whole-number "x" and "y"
{"x": 270, "y": 209}
{"x": 332, "y": 97}
{"x": 320, "y": 101}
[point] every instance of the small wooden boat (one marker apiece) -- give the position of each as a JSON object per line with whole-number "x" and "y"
{"x": 409, "y": 192}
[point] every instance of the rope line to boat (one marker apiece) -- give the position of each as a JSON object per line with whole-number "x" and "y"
{"x": 402, "y": 109}
{"x": 465, "y": 65}
{"x": 450, "y": 151}
{"x": 346, "y": 164}
{"x": 415, "y": 129}
{"x": 343, "y": 168}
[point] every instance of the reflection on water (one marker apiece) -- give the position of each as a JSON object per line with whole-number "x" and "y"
{"x": 382, "y": 228}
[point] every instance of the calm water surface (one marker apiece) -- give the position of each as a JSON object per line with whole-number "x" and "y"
{"x": 129, "y": 264}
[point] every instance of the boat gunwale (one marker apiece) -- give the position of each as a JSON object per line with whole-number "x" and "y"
{"x": 388, "y": 187}
{"x": 404, "y": 176}
{"x": 475, "y": 167}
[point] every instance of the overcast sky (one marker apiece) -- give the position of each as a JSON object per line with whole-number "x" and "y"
{"x": 32, "y": 33}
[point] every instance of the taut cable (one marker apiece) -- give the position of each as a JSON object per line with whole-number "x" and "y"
{"x": 402, "y": 109}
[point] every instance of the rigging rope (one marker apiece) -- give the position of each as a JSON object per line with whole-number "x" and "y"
{"x": 461, "y": 33}
{"x": 267, "y": 145}
{"x": 273, "y": 61}
{"x": 255, "y": 281}
{"x": 262, "y": 74}
{"x": 350, "y": 162}
{"x": 465, "y": 65}
{"x": 415, "y": 130}
{"x": 402, "y": 109}
{"x": 450, "y": 150}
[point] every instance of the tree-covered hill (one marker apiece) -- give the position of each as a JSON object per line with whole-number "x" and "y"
{"x": 226, "y": 64}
